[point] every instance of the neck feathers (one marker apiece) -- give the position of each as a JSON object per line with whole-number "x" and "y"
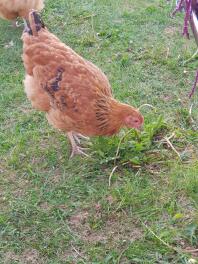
{"x": 35, "y": 24}
{"x": 110, "y": 115}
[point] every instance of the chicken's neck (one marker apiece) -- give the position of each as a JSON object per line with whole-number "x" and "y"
{"x": 110, "y": 115}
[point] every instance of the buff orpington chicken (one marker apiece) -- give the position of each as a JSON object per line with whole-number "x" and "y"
{"x": 11, "y": 9}
{"x": 74, "y": 93}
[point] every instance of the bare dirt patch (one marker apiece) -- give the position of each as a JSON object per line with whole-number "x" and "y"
{"x": 171, "y": 31}
{"x": 29, "y": 256}
{"x": 115, "y": 229}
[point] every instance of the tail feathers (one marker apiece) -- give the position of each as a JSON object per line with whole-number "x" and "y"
{"x": 34, "y": 25}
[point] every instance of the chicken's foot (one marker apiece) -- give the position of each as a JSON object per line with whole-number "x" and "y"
{"x": 76, "y": 150}
{"x": 78, "y": 137}
{"x": 15, "y": 24}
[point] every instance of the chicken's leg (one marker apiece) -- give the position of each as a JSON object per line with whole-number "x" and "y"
{"x": 78, "y": 137}
{"x": 76, "y": 150}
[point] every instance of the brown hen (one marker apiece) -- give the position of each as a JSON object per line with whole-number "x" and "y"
{"x": 11, "y": 9}
{"x": 75, "y": 94}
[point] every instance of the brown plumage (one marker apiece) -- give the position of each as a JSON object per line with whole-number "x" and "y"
{"x": 75, "y": 94}
{"x": 11, "y": 9}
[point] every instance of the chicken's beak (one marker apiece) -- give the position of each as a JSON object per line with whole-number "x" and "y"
{"x": 140, "y": 128}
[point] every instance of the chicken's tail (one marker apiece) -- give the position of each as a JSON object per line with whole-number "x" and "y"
{"x": 34, "y": 25}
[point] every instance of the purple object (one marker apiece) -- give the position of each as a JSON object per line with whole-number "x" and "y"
{"x": 179, "y": 7}
{"x": 194, "y": 85}
{"x": 187, "y": 5}
{"x": 190, "y": 7}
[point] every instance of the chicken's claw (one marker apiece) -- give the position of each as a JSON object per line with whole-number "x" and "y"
{"x": 76, "y": 150}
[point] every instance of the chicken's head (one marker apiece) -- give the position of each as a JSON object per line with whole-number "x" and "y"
{"x": 124, "y": 115}
{"x": 133, "y": 119}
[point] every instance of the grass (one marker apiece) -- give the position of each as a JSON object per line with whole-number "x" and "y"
{"x": 55, "y": 210}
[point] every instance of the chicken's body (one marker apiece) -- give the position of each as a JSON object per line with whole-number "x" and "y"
{"x": 11, "y": 9}
{"x": 75, "y": 93}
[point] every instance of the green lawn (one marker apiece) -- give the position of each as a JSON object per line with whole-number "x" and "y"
{"x": 55, "y": 210}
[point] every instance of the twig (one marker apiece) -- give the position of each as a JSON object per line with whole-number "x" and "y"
{"x": 118, "y": 148}
{"x": 116, "y": 156}
{"x": 191, "y": 250}
{"x": 80, "y": 255}
{"x": 167, "y": 53}
{"x": 167, "y": 140}
{"x": 191, "y": 58}
{"x": 111, "y": 174}
{"x": 137, "y": 172}
{"x": 190, "y": 113}
{"x": 178, "y": 250}
{"x": 92, "y": 26}
{"x": 171, "y": 145}
{"x": 149, "y": 105}
{"x": 121, "y": 254}
{"x": 171, "y": 136}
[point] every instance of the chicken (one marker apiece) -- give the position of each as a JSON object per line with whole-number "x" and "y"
{"x": 11, "y": 9}
{"x": 74, "y": 93}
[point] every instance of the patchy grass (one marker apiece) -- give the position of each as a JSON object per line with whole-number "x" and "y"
{"x": 56, "y": 210}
